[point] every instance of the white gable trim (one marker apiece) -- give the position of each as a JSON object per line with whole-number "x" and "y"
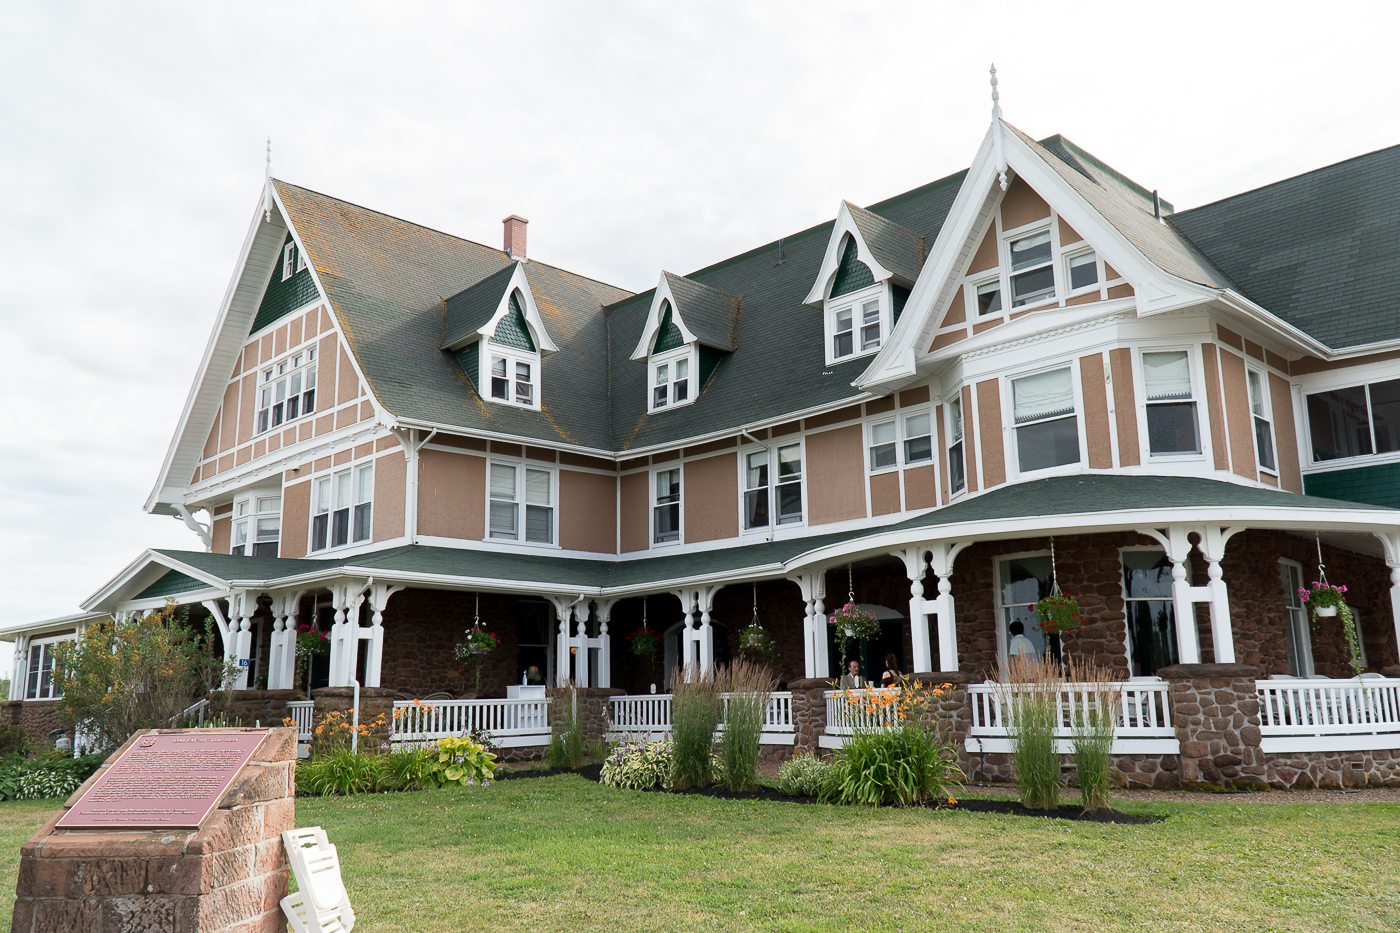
{"x": 518, "y": 282}
{"x": 845, "y": 224}
{"x": 662, "y": 295}
{"x": 141, "y": 573}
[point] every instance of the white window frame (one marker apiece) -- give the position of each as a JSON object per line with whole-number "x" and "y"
{"x": 899, "y": 418}
{"x": 1140, "y": 388}
{"x": 669, "y": 359}
{"x": 301, "y": 259}
{"x": 1003, "y": 637}
{"x": 1298, "y": 620}
{"x": 297, "y": 368}
{"x": 772, "y": 448}
{"x": 973, "y": 298}
{"x": 1067, "y": 258}
{"x": 1123, "y": 594}
{"x": 492, "y": 351}
{"x": 1267, "y": 417}
{"x": 289, "y": 262}
{"x": 654, "y": 507}
{"x": 904, "y": 437}
{"x": 1362, "y": 377}
{"x": 352, "y": 505}
{"x": 45, "y": 646}
{"x": 948, "y": 403}
{"x": 522, "y": 503}
{"x": 1008, "y": 401}
{"x": 1008, "y": 275}
{"x": 250, "y": 512}
{"x": 890, "y": 418}
{"x": 853, "y": 302}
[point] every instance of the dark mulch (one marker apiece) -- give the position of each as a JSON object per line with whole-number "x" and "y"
{"x": 763, "y": 792}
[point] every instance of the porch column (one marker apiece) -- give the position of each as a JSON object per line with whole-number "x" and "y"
{"x": 247, "y": 605}
{"x": 563, "y": 611}
{"x": 291, "y": 612}
{"x": 374, "y": 657}
{"x": 1177, "y": 544}
{"x": 580, "y": 644}
{"x": 913, "y": 558}
{"x": 277, "y": 647}
{"x": 814, "y": 653}
{"x": 604, "y": 610}
{"x": 346, "y": 598}
{"x": 1212, "y": 545}
{"x": 941, "y": 558}
{"x": 21, "y": 667}
{"x": 1391, "y": 542}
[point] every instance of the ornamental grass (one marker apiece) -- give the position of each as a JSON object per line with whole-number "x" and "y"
{"x": 1028, "y": 691}
{"x": 695, "y": 712}
{"x": 566, "y": 728}
{"x": 1096, "y": 705}
{"x": 749, "y": 688}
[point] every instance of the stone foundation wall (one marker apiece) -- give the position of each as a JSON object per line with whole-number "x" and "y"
{"x": 37, "y": 718}
{"x": 376, "y": 712}
{"x": 808, "y": 714}
{"x": 1215, "y": 709}
{"x": 227, "y": 877}
{"x": 254, "y": 707}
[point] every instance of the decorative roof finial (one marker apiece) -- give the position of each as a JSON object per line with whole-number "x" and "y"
{"x": 996, "y": 97}
{"x": 996, "y": 130}
{"x": 267, "y": 185}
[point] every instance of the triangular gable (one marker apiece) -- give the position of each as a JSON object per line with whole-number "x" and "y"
{"x": 152, "y": 578}
{"x": 512, "y": 329}
{"x": 696, "y": 313}
{"x": 668, "y": 335}
{"x": 865, "y": 248}
{"x": 289, "y": 287}
{"x": 172, "y": 583}
{"x": 500, "y": 308}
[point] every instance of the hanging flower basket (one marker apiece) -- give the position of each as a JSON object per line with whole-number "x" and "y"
{"x": 755, "y": 644}
{"x": 1328, "y": 601}
{"x": 853, "y": 622}
{"x": 1060, "y": 612}
{"x": 645, "y": 642}
{"x": 476, "y": 645}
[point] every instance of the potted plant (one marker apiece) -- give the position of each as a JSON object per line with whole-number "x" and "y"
{"x": 851, "y": 621}
{"x": 645, "y": 641}
{"x": 474, "y": 648}
{"x": 1328, "y": 601}
{"x": 755, "y": 644}
{"x": 311, "y": 642}
{"x": 1060, "y": 613}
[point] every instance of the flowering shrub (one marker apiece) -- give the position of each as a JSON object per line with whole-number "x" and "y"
{"x": 335, "y": 729}
{"x": 894, "y": 756}
{"x": 1059, "y": 612}
{"x": 1326, "y": 595}
{"x": 755, "y": 644}
{"x": 645, "y": 641}
{"x": 806, "y": 775}
{"x": 461, "y": 761}
{"x": 638, "y": 765}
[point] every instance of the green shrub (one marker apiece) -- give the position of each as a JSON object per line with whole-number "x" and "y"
{"x": 749, "y": 687}
{"x": 460, "y": 761}
{"x": 341, "y": 772}
{"x": 1096, "y": 710}
{"x": 55, "y": 774}
{"x": 640, "y": 765}
{"x": 13, "y": 740}
{"x": 407, "y": 766}
{"x": 47, "y": 782}
{"x": 899, "y": 766}
{"x": 695, "y": 712}
{"x": 566, "y": 735}
{"x": 806, "y": 775}
{"x": 1029, "y": 695}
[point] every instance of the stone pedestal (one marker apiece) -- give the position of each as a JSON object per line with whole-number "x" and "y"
{"x": 1215, "y": 709}
{"x": 951, "y": 714}
{"x": 376, "y": 712}
{"x": 251, "y": 707}
{"x": 809, "y": 712}
{"x": 226, "y": 877}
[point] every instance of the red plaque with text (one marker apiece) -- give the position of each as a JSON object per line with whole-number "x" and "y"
{"x": 167, "y": 781}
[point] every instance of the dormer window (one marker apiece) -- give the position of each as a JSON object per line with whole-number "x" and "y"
{"x": 857, "y": 327}
{"x": 856, "y": 293}
{"x": 510, "y": 360}
{"x": 1032, "y": 272}
{"x": 290, "y": 265}
{"x": 512, "y": 379}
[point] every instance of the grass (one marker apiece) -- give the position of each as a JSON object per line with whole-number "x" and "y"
{"x": 560, "y": 853}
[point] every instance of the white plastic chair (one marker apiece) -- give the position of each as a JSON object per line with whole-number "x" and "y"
{"x": 320, "y": 904}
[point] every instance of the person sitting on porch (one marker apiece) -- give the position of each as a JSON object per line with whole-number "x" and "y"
{"x": 1020, "y": 644}
{"x": 852, "y": 680}
{"x": 893, "y": 674}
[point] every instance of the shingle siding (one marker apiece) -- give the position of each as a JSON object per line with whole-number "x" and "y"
{"x": 1374, "y": 485}
{"x": 281, "y": 297}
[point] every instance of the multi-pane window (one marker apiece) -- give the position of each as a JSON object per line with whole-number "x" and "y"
{"x": 918, "y": 438}
{"x": 857, "y": 327}
{"x": 38, "y": 683}
{"x": 1355, "y": 421}
{"x": 1300, "y": 659}
{"x": 1263, "y": 426}
{"x": 957, "y": 470}
{"x": 1022, "y": 582}
{"x": 671, "y": 381}
{"x": 287, "y": 390}
{"x": 870, "y": 325}
{"x": 1082, "y": 270}
{"x": 1171, "y": 412}
{"x": 884, "y": 450}
{"x": 1032, "y": 272}
{"x": 989, "y": 297}
{"x": 763, "y": 497}
{"x": 513, "y": 380}
{"x": 257, "y": 526}
{"x": 512, "y": 486}
{"x": 1047, "y": 429}
{"x": 843, "y": 341}
{"x": 666, "y": 507}
{"x": 1147, "y": 590}
{"x": 292, "y": 261}
{"x": 342, "y": 508}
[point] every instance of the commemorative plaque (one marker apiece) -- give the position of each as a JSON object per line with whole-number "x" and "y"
{"x": 165, "y": 781}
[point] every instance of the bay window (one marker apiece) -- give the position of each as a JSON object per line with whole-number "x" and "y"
{"x": 1263, "y": 425}
{"x": 1047, "y": 428}
{"x": 957, "y": 470}
{"x": 287, "y": 390}
{"x": 763, "y": 497}
{"x": 1355, "y": 421}
{"x": 666, "y": 507}
{"x": 1171, "y": 410}
{"x": 1032, "y": 272}
{"x": 342, "y": 508}
{"x": 257, "y": 526}
{"x": 514, "y": 485}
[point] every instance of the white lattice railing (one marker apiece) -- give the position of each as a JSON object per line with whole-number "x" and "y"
{"x": 844, "y": 717}
{"x": 1319, "y": 707}
{"x": 301, "y": 712}
{"x": 193, "y": 715}
{"x": 651, "y": 713}
{"x": 509, "y": 722}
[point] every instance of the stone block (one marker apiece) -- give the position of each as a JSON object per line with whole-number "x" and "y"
{"x": 139, "y": 915}
{"x": 280, "y": 745}
{"x": 233, "y": 865}
{"x": 107, "y": 877}
{"x": 260, "y": 781}
{"x": 187, "y": 875}
{"x": 64, "y": 915}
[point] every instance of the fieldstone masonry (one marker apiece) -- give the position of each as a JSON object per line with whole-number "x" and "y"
{"x": 1215, "y": 708}
{"x": 376, "y": 712}
{"x": 809, "y": 713}
{"x": 227, "y": 877}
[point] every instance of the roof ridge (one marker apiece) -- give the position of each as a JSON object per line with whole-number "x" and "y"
{"x": 1281, "y": 181}
{"x": 411, "y": 223}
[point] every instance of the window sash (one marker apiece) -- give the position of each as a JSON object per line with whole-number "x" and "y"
{"x": 666, "y": 510}
{"x": 1042, "y": 396}
{"x": 957, "y": 473}
{"x": 843, "y": 334}
{"x": 1166, "y": 375}
{"x": 870, "y": 325}
{"x": 989, "y": 298}
{"x": 789, "y": 488}
{"x": 1083, "y": 271}
{"x": 883, "y": 449}
{"x": 918, "y": 438}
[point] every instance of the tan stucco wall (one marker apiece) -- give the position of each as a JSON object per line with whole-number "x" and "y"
{"x": 451, "y": 495}
{"x": 1237, "y": 415}
{"x": 919, "y": 489}
{"x": 587, "y": 511}
{"x": 1125, "y": 406}
{"x": 989, "y": 427}
{"x": 884, "y": 493}
{"x": 296, "y": 516}
{"x": 246, "y": 389}
{"x": 835, "y": 476}
{"x": 347, "y": 384}
{"x": 390, "y": 479}
{"x": 222, "y": 528}
{"x": 1096, "y": 429}
{"x": 1215, "y": 410}
{"x": 1021, "y": 205}
{"x": 1289, "y": 472}
{"x": 228, "y": 417}
{"x": 635, "y": 518}
{"x": 711, "y": 491}
{"x": 957, "y": 310}
{"x": 986, "y": 256}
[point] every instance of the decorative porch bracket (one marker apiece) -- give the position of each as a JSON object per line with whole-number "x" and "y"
{"x": 574, "y": 641}
{"x": 225, "y": 632}
{"x": 942, "y": 554}
{"x": 1390, "y": 540}
{"x": 813, "y": 587}
{"x": 915, "y": 559}
{"x": 282, "y": 647}
{"x": 1211, "y": 543}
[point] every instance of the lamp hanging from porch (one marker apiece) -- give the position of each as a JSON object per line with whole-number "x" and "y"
{"x": 1058, "y": 612}
{"x": 755, "y": 644}
{"x": 1328, "y": 601}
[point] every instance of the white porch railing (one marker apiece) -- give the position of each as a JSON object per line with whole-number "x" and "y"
{"x": 1144, "y": 721}
{"x": 844, "y": 717}
{"x": 510, "y": 723}
{"x": 301, "y": 712}
{"x": 650, "y": 714}
{"x": 1319, "y": 715}
{"x": 195, "y": 711}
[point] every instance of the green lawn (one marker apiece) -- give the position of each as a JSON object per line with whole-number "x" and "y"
{"x": 560, "y": 853}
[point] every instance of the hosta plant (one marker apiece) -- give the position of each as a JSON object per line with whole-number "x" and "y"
{"x": 639, "y": 765}
{"x": 461, "y": 761}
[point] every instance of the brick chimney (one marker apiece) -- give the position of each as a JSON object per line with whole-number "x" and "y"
{"x": 515, "y": 236}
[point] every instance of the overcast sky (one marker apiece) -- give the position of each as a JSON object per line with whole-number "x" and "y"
{"x": 635, "y": 137}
